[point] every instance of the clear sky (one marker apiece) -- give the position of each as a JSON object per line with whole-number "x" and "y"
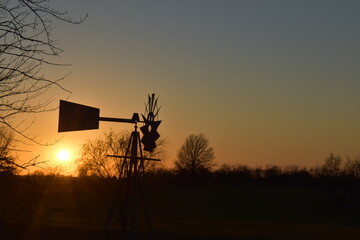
{"x": 268, "y": 82}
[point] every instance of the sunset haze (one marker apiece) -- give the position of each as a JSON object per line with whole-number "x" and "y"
{"x": 268, "y": 82}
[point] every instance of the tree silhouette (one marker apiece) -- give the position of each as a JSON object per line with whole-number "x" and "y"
{"x": 332, "y": 166}
{"x": 94, "y": 159}
{"x": 9, "y": 162}
{"x": 195, "y": 155}
{"x": 6, "y": 158}
{"x": 26, "y": 45}
{"x": 352, "y": 166}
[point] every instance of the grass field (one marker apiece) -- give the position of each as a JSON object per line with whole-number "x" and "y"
{"x": 201, "y": 213}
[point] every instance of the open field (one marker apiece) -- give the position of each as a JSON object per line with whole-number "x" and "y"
{"x": 66, "y": 211}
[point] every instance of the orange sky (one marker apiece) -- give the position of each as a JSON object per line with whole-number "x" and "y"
{"x": 268, "y": 82}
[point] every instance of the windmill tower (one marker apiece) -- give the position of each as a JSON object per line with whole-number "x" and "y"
{"x": 75, "y": 117}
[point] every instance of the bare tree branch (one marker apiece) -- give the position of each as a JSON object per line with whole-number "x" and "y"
{"x": 26, "y": 46}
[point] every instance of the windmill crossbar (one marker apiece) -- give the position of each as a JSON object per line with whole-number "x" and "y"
{"x": 139, "y": 158}
{"x": 109, "y": 119}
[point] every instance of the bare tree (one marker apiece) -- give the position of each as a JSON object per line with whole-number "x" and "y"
{"x": 332, "y": 166}
{"x": 6, "y": 157}
{"x": 195, "y": 155}
{"x": 352, "y": 166}
{"x": 26, "y": 45}
{"x": 94, "y": 159}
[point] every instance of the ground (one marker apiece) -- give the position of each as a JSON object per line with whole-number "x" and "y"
{"x": 67, "y": 211}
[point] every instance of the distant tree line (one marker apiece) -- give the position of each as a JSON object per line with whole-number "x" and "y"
{"x": 334, "y": 169}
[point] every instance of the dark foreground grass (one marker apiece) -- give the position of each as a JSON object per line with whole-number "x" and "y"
{"x": 202, "y": 213}
{"x": 256, "y": 213}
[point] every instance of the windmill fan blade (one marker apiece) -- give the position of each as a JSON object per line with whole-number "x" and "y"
{"x": 149, "y": 104}
{"x": 155, "y": 103}
{"x": 152, "y": 102}
{"x": 157, "y": 112}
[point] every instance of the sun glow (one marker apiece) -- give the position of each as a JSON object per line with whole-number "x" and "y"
{"x": 63, "y": 155}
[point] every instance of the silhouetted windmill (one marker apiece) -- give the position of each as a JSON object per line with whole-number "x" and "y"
{"x": 75, "y": 117}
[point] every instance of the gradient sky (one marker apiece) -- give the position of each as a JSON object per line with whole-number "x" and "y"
{"x": 268, "y": 82}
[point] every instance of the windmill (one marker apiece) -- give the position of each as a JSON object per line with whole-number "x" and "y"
{"x": 75, "y": 117}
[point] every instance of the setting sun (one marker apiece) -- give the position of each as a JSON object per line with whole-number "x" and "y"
{"x": 63, "y": 155}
